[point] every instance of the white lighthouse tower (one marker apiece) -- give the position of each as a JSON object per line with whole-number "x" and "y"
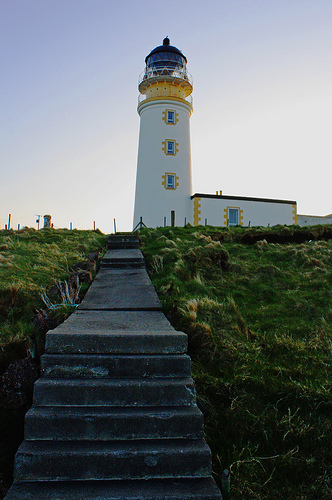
{"x": 163, "y": 182}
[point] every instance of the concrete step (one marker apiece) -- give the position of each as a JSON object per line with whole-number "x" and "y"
{"x": 86, "y": 460}
{"x": 121, "y": 289}
{"x": 116, "y": 342}
{"x": 111, "y": 366}
{"x": 123, "y": 241}
{"x": 119, "y": 392}
{"x": 102, "y": 424}
{"x": 117, "y": 263}
{"x": 105, "y": 321}
{"x": 152, "y": 489}
{"x": 122, "y": 258}
{"x": 116, "y": 332}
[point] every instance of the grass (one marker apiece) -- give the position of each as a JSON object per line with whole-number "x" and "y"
{"x": 31, "y": 262}
{"x": 256, "y": 305}
{"x": 258, "y": 315}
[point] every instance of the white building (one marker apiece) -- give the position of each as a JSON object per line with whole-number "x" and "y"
{"x": 219, "y": 210}
{"x": 163, "y": 184}
{"x": 313, "y": 220}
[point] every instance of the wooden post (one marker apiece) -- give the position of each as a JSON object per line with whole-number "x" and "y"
{"x": 9, "y": 217}
{"x": 114, "y": 226}
{"x": 225, "y": 484}
{"x": 71, "y": 226}
{"x": 18, "y": 227}
{"x": 94, "y": 225}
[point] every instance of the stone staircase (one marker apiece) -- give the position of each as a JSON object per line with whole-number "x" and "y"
{"x": 114, "y": 414}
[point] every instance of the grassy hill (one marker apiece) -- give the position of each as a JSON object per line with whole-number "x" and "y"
{"x": 257, "y": 307}
{"x": 31, "y": 263}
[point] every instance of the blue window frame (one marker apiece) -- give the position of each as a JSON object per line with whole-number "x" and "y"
{"x": 233, "y": 216}
{"x": 170, "y": 148}
{"x": 170, "y": 181}
{"x": 170, "y": 116}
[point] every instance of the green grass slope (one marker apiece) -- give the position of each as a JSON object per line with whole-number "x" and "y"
{"x": 30, "y": 263}
{"x": 257, "y": 307}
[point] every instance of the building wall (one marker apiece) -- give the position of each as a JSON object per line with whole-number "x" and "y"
{"x": 224, "y": 211}
{"x": 154, "y": 199}
{"x": 312, "y": 220}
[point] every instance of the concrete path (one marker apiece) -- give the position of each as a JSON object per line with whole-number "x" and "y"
{"x": 114, "y": 414}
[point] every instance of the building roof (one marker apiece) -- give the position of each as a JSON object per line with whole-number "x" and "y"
{"x": 242, "y": 198}
{"x": 165, "y": 48}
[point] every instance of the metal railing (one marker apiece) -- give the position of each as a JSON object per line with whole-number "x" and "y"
{"x": 177, "y": 73}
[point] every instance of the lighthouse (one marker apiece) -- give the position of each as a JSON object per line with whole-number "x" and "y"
{"x": 163, "y": 180}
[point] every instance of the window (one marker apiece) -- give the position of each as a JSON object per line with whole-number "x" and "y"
{"x": 233, "y": 216}
{"x": 170, "y": 148}
{"x": 170, "y": 116}
{"x": 170, "y": 181}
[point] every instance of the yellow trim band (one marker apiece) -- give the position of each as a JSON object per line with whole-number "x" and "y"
{"x": 294, "y": 214}
{"x": 225, "y": 217}
{"x": 197, "y": 212}
{"x": 240, "y": 217}
{"x": 161, "y": 87}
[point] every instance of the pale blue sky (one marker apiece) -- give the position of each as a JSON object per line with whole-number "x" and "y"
{"x": 68, "y": 123}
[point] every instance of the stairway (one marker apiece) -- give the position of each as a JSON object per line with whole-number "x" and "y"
{"x": 114, "y": 414}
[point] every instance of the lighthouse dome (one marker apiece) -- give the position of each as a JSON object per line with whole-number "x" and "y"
{"x": 165, "y": 63}
{"x": 165, "y": 57}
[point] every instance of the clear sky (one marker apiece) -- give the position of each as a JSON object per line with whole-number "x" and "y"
{"x": 262, "y": 72}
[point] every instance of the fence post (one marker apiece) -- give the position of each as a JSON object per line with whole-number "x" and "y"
{"x": 226, "y": 484}
{"x": 173, "y": 218}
